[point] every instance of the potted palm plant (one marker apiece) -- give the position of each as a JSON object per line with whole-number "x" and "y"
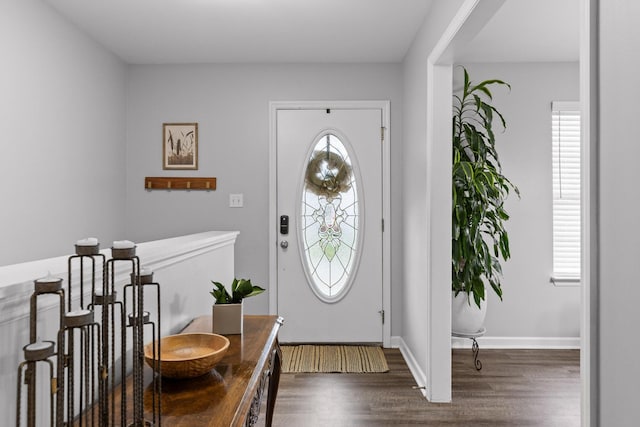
{"x": 228, "y": 308}
{"x": 479, "y": 237}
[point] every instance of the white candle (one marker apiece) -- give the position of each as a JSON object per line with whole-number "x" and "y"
{"x": 39, "y": 345}
{"x": 145, "y": 271}
{"x": 89, "y": 241}
{"x": 98, "y": 292}
{"x": 123, "y": 244}
{"x": 48, "y": 279}
{"x": 78, "y": 313}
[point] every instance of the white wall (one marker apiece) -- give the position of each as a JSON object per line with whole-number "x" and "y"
{"x": 62, "y": 118}
{"x": 531, "y": 306}
{"x": 231, "y": 105}
{"x": 619, "y": 253}
{"x": 416, "y": 236}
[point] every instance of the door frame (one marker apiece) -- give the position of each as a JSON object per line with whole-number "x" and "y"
{"x": 440, "y": 58}
{"x": 384, "y": 106}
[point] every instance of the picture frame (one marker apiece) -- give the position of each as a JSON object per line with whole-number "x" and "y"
{"x": 180, "y": 146}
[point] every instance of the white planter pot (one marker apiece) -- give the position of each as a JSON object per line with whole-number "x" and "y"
{"x": 466, "y": 317}
{"x": 227, "y": 319}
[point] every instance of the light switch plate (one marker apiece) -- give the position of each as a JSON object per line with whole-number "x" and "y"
{"x": 236, "y": 200}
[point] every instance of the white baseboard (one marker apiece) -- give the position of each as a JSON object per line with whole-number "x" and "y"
{"x": 485, "y": 343}
{"x": 414, "y": 367}
{"x": 555, "y": 343}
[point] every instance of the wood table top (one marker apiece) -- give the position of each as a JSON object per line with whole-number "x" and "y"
{"x": 223, "y": 397}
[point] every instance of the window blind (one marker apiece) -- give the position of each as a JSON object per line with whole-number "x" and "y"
{"x": 565, "y": 118}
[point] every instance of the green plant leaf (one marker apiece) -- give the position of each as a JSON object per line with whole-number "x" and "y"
{"x": 220, "y": 293}
{"x": 479, "y": 189}
{"x": 240, "y": 289}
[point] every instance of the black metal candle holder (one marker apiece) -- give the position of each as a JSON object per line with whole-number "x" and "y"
{"x": 38, "y": 352}
{"x": 84, "y": 383}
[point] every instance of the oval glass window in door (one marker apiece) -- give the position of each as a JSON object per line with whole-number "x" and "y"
{"x": 330, "y": 219}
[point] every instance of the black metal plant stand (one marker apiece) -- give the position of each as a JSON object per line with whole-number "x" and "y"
{"x": 475, "y": 348}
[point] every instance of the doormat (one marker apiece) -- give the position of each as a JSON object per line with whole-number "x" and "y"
{"x": 333, "y": 359}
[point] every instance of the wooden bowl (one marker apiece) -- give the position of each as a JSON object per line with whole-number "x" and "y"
{"x": 188, "y": 355}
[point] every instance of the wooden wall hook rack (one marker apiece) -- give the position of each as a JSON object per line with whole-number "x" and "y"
{"x": 179, "y": 183}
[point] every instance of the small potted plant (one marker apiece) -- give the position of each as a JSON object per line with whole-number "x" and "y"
{"x": 227, "y": 311}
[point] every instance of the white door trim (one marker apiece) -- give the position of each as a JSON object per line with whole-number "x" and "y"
{"x": 589, "y": 122}
{"x": 384, "y": 106}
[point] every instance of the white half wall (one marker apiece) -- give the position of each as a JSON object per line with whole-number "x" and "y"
{"x": 63, "y": 118}
{"x": 182, "y": 266}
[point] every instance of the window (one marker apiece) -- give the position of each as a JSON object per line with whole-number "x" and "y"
{"x": 330, "y": 219}
{"x": 565, "y": 117}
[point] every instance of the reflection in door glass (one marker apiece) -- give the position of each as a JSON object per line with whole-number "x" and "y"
{"x": 329, "y": 219}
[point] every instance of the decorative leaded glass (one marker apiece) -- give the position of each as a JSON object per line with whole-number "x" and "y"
{"x": 330, "y": 219}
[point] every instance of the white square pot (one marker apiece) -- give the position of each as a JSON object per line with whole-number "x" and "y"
{"x": 227, "y": 319}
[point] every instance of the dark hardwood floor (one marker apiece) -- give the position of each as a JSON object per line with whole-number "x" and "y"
{"x": 514, "y": 388}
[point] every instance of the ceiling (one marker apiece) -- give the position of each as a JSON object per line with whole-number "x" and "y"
{"x": 310, "y": 31}
{"x": 528, "y": 31}
{"x": 265, "y": 31}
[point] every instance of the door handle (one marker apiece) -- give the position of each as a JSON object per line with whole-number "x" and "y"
{"x": 284, "y": 244}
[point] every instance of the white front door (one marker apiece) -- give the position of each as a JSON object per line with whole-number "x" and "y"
{"x": 329, "y": 208}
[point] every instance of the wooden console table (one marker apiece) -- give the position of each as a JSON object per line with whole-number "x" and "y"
{"x": 231, "y": 394}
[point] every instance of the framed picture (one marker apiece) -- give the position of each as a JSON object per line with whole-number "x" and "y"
{"x": 180, "y": 146}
